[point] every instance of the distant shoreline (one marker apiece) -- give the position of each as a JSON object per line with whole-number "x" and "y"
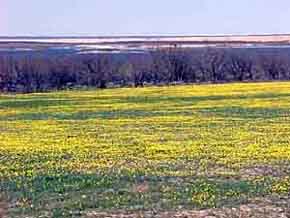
{"x": 203, "y": 39}
{"x": 138, "y": 44}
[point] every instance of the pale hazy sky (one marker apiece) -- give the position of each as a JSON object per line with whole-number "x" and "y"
{"x": 131, "y": 17}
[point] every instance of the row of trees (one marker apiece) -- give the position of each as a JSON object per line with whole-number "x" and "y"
{"x": 34, "y": 73}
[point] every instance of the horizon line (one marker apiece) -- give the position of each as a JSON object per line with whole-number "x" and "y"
{"x": 145, "y": 35}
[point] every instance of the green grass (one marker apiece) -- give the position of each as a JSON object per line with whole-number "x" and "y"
{"x": 66, "y": 153}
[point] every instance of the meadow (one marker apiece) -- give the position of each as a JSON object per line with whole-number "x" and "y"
{"x": 70, "y": 153}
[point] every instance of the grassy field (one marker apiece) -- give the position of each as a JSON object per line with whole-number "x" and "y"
{"x": 68, "y": 153}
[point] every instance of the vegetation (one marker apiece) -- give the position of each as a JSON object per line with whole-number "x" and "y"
{"x": 66, "y": 153}
{"x": 40, "y": 72}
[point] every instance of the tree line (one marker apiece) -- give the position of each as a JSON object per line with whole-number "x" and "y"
{"x": 32, "y": 73}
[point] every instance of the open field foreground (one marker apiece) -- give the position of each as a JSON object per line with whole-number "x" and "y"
{"x": 179, "y": 151}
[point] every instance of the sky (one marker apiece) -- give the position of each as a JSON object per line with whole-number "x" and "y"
{"x": 142, "y": 17}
